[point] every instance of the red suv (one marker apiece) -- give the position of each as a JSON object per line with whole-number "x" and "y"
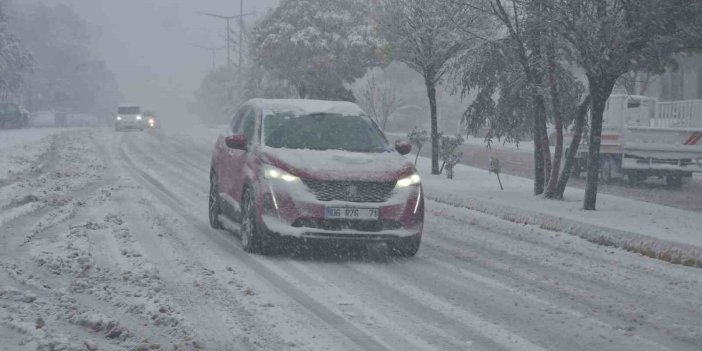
{"x": 313, "y": 170}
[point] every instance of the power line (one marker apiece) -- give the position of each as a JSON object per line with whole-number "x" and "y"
{"x": 213, "y": 50}
{"x": 228, "y": 19}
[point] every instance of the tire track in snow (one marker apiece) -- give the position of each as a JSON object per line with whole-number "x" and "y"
{"x": 356, "y": 335}
{"x": 425, "y": 311}
{"x": 567, "y": 281}
{"x": 505, "y": 253}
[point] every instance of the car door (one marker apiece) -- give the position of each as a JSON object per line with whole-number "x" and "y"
{"x": 237, "y": 159}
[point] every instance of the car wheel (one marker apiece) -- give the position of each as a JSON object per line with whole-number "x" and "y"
{"x": 251, "y": 235}
{"x": 214, "y": 208}
{"x": 405, "y": 247}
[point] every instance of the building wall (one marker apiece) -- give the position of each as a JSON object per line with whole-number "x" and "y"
{"x": 685, "y": 83}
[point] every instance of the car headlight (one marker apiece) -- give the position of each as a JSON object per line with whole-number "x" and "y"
{"x": 138, "y": 118}
{"x": 411, "y": 180}
{"x": 270, "y": 172}
{"x": 119, "y": 118}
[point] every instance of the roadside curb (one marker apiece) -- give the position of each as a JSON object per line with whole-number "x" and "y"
{"x": 669, "y": 251}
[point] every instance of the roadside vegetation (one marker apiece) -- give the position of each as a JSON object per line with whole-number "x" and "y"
{"x": 518, "y": 67}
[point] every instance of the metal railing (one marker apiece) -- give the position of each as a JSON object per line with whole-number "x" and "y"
{"x": 678, "y": 114}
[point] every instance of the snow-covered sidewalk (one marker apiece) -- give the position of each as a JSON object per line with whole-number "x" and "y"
{"x": 658, "y": 231}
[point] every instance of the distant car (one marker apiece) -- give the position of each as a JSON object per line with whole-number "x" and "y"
{"x": 129, "y": 117}
{"x": 151, "y": 120}
{"x": 316, "y": 170}
{"x": 13, "y": 116}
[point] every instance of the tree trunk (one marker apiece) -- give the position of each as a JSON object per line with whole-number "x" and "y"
{"x": 545, "y": 147}
{"x": 431, "y": 93}
{"x": 302, "y": 91}
{"x": 542, "y": 152}
{"x": 558, "y": 124}
{"x": 600, "y": 89}
{"x": 557, "y": 156}
{"x": 538, "y": 164}
{"x": 573, "y": 148}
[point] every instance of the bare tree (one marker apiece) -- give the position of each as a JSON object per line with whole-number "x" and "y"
{"x": 419, "y": 35}
{"x": 526, "y": 32}
{"x": 378, "y": 97}
{"x": 609, "y": 38}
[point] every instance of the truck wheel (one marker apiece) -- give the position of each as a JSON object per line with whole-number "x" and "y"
{"x": 577, "y": 168}
{"x": 606, "y": 169}
{"x": 674, "y": 181}
{"x": 636, "y": 177}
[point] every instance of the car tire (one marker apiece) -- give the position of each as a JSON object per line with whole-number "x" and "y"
{"x": 213, "y": 207}
{"x": 405, "y": 247}
{"x": 252, "y": 237}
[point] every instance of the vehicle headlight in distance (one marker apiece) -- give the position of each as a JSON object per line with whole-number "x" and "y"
{"x": 119, "y": 118}
{"x": 138, "y": 118}
{"x": 270, "y": 172}
{"x": 411, "y": 180}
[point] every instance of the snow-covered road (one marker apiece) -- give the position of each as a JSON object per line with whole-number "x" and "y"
{"x": 109, "y": 247}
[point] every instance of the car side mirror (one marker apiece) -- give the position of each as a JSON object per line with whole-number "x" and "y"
{"x": 236, "y": 141}
{"x": 403, "y": 147}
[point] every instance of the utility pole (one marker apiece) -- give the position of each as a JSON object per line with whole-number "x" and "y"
{"x": 213, "y": 50}
{"x": 228, "y": 38}
{"x": 241, "y": 39}
{"x": 228, "y": 19}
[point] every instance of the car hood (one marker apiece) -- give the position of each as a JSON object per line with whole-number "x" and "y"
{"x": 339, "y": 165}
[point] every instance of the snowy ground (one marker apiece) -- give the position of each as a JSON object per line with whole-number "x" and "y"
{"x": 518, "y": 161}
{"x": 107, "y": 247}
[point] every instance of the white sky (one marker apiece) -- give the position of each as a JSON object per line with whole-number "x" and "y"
{"x": 147, "y": 44}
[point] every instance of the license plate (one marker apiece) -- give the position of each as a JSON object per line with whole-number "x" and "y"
{"x": 351, "y": 213}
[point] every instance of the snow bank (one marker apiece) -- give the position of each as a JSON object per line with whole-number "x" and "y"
{"x": 13, "y": 137}
{"x": 653, "y": 230}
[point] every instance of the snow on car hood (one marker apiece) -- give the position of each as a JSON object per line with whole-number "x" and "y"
{"x": 339, "y": 165}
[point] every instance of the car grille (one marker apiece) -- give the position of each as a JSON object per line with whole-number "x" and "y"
{"x": 351, "y": 191}
{"x": 340, "y": 224}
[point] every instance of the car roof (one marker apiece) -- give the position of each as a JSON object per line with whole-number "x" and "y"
{"x": 305, "y": 106}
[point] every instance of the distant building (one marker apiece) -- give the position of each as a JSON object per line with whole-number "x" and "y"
{"x": 685, "y": 83}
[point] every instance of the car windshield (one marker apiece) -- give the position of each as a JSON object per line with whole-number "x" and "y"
{"x": 323, "y": 131}
{"x": 129, "y": 110}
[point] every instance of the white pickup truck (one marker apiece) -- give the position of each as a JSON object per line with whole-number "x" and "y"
{"x": 643, "y": 137}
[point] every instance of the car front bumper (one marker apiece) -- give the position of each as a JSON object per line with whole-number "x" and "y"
{"x": 285, "y": 214}
{"x": 129, "y": 125}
